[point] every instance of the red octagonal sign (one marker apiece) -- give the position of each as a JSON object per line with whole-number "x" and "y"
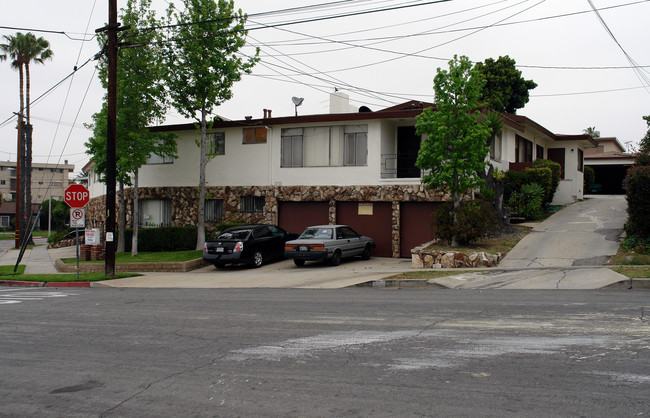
{"x": 76, "y": 196}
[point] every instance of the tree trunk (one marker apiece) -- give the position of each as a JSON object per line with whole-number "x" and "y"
{"x": 135, "y": 219}
{"x": 200, "y": 224}
{"x": 456, "y": 199}
{"x": 121, "y": 236}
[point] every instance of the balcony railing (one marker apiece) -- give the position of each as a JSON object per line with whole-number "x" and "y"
{"x": 394, "y": 166}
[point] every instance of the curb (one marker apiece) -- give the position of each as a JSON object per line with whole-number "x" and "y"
{"x": 18, "y": 283}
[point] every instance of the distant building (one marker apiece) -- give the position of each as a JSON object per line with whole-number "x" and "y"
{"x": 610, "y": 163}
{"x": 47, "y": 180}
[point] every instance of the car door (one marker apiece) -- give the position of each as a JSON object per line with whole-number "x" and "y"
{"x": 263, "y": 240}
{"x": 276, "y": 243}
{"x": 351, "y": 241}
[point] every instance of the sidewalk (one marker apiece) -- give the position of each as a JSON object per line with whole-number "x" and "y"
{"x": 38, "y": 259}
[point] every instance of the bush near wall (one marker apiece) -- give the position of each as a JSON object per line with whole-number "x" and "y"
{"x": 168, "y": 238}
{"x": 556, "y": 170}
{"x": 638, "y": 201}
{"x": 475, "y": 218}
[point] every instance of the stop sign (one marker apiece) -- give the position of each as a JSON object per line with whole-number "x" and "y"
{"x": 76, "y": 196}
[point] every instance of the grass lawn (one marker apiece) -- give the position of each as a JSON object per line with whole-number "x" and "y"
{"x": 148, "y": 257}
{"x": 642, "y": 272}
{"x": 629, "y": 258}
{"x": 10, "y": 234}
{"x": 6, "y": 273}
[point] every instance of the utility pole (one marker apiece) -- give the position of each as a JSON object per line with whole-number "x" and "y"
{"x": 111, "y": 132}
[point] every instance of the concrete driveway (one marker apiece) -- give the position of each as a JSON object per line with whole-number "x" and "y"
{"x": 585, "y": 233}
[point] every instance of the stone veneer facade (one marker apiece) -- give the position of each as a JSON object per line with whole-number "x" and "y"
{"x": 185, "y": 208}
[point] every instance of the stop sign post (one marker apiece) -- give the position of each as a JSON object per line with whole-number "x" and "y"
{"x": 76, "y": 196}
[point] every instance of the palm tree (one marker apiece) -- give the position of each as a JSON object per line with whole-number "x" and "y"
{"x": 24, "y": 49}
{"x": 592, "y": 132}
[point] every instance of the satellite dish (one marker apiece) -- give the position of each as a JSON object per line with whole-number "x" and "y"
{"x": 297, "y": 101}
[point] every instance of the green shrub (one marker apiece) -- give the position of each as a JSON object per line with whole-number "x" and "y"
{"x": 638, "y": 201}
{"x": 168, "y": 238}
{"x": 542, "y": 176}
{"x": 513, "y": 180}
{"x": 556, "y": 169}
{"x": 475, "y": 221}
{"x": 639, "y": 244}
{"x": 528, "y": 202}
{"x": 56, "y": 236}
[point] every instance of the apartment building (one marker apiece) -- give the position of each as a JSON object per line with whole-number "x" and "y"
{"x": 47, "y": 180}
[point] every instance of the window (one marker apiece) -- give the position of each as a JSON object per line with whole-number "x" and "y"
{"x": 292, "y": 147}
{"x": 2, "y": 182}
{"x": 355, "y": 147}
{"x": 155, "y": 212}
{"x": 254, "y": 136}
{"x": 324, "y": 146}
{"x": 495, "y": 146}
{"x": 4, "y": 221}
{"x": 539, "y": 152}
{"x": 523, "y": 150}
{"x": 157, "y": 159}
{"x": 253, "y": 204}
{"x": 217, "y": 143}
{"x": 213, "y": 210}
{"x": 581, "y": 156}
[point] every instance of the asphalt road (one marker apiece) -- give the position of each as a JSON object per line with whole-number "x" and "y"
{"x": 349, "y": 352}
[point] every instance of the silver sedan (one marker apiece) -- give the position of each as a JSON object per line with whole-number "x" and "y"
{"x": 328, "y": 242}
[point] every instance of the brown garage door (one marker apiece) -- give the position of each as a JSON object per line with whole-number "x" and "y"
{"x": 416, "y": 225}
{"x": 376, "y": 225}
{"x": 296, "y": 216}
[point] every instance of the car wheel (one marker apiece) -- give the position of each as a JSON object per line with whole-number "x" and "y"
{"x": 299, "y": 263}
{"x": 365, "y": 255}
{"x": 258, "y": 259}
{"x": 336, "y": 258}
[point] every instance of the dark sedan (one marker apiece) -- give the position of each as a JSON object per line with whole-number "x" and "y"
{"x": 247, "y": 244}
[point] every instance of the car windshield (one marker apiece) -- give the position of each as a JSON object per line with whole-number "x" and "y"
{"x": 237, "y": 234}
{"x": 318, "y": 233}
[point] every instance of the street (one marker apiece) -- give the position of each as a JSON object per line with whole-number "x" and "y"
{"x": 348, "y": 352}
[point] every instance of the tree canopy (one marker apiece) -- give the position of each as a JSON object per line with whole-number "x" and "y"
{"x": 454, "y": 150}
{"x": 141, "y": 101}
{"x": 204, "y": 62}
{"x": 505, "y": 89}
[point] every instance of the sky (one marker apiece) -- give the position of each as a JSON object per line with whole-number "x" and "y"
{"x": 590, "y": 59}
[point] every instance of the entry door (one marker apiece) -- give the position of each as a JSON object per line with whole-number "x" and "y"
{"x": 408, "y": 146}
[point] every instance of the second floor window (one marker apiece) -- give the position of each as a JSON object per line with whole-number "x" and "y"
{"x": 324, "y": 146}
{"x": 217, "y": 141}
{"x": 157, "y": 159}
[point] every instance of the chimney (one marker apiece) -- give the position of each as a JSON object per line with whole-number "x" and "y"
{"x": 65, "y": 162}
{"x": 265, "y": 110}
{"x": 248, "y": 117}
{"x": 269, "y": 110}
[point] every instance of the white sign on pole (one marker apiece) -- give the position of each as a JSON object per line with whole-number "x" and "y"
{"x": 78, "y": 218}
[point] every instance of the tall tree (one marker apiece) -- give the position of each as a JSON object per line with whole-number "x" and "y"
{"x": 505, "y": 89}
{"x": 591, "y": 131}
{"x": 141, "y": 98}
{"x": 454, "y": 150}
{"x": 204, "y": 64}
{"x": 23, "y": 50}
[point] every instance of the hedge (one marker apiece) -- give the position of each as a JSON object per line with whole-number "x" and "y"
{"x": 168, "y": 238}
{"x": 638, "y": 201}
